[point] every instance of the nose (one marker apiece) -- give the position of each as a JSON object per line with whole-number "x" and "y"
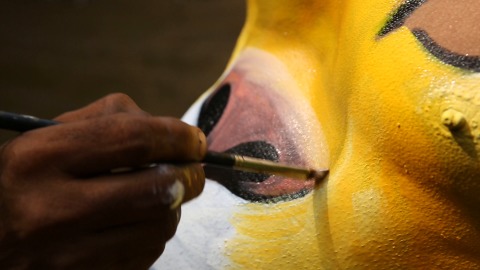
{"x": 252, "y": 119}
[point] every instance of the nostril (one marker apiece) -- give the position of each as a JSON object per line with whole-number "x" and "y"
{"x": 233, "y": 179}
{"x": 257, "y": 149}
{"x": 213, "y": 108}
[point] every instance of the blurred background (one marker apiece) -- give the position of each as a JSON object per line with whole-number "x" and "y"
{"x": 59, "y": 55}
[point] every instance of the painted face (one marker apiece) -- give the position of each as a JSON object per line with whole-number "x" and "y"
{"x": 383, "y": 93}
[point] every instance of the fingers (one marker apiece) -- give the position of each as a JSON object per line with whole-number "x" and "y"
{"x": 104, "y": 202}
{"x": 136, "y": 196}
{"x": 127, "y": 141}
{"x": 59, "y": 192}
{"x": 99, "y": 145}
{"x": 165, "y": 186}
{"x": 108, "y": 134}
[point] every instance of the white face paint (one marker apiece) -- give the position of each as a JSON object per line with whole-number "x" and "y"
{"x": 205, "y": 224}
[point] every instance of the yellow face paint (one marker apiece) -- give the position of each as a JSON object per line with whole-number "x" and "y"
{"x": 402, "y": 189}
{"x": 396, "y": 124}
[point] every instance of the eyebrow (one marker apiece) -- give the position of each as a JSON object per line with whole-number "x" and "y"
{"x": 398, "y": 17}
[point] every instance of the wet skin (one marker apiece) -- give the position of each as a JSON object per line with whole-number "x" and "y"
{"x": 383, "y": 93}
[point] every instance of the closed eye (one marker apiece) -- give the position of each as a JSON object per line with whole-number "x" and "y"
{"x": 463, "y": 61}
{"x": 448, "y": 30}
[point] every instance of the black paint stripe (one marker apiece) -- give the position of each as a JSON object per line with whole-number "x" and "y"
{"x": 397, "y": 19}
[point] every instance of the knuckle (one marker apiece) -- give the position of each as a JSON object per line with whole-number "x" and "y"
{"x": 116, "y": 98}
{"x": 120, "y": 102}
{"x": 119, "y": 96}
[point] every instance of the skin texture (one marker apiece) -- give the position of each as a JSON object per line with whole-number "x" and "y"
{"x": 68, "y": 200}
{"x": 397, "y": 125}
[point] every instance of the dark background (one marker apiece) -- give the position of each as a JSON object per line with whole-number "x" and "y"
{"x": 59, "y": 55}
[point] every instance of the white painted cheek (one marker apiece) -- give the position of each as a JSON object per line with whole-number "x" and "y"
{"x": 205, "y": 225}
{"x": 202, "y": 233}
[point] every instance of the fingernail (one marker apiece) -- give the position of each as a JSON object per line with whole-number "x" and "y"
{"x": 176, "y": 192}
{"x": 202, "y": 144}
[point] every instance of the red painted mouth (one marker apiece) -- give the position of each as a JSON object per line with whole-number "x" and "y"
{"x": 245, "y": 118}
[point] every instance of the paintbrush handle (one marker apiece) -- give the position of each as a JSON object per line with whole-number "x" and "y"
{"x": 256, "y": 165}
{"x": 21, "y": 122}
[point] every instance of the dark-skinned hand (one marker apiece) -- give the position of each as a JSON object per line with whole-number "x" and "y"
{"x": 84, "y": 194}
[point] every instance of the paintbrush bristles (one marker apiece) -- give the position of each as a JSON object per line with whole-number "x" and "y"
{"x": 318, "y": 175}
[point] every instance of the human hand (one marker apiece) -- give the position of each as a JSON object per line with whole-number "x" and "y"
{"x": 67, "y": 202}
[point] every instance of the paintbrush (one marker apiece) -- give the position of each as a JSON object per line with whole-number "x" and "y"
{"x": 22, "y": 123}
